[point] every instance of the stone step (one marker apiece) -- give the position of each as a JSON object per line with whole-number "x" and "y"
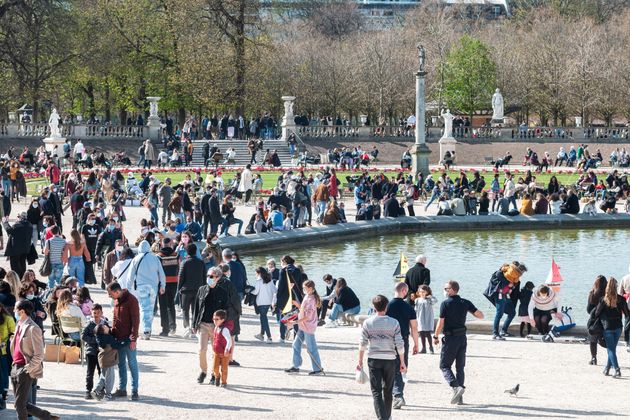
{"x": 242, "y": 152}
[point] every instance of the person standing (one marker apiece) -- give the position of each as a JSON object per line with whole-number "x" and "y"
{"x": 417, "y": 275}
{"x": 245, "y": 185}
{"x": 166, "y": 195}
{"x": 19, "y": 242}
{"x": 307, "y": 324}
{"x": 55, "y": 247}
{"x": 215, "y": 211}
{"x": 170, "y": 264}
{"x": 452, "y": 323}
{"x": 27, "y": 350}
{"x": 509, "y": 190}
{"x": 125, "y": 327}
{"x": 202, "y": 319}
{"x": 146, "y": 277}
{"x": 149, "y": 154}
{"x": 265, "y": 292}
{"x": 380, "y": 334}
{"x": 90, "y": 232}
{"x": 610, "y": 310}
{"x": 404, "y": 313}
{"x": 624, "y": 289}
{"x": 190, "y": 279}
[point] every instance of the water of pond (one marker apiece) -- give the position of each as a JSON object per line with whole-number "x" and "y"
{"x": 470, "y": 258}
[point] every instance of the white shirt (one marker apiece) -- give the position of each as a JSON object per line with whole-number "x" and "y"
{"x": 79, "y": 148}
{"x": 121, "y": 271}
{"x": 265, "y": 293}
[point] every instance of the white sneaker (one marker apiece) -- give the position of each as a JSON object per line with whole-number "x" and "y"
{"x": 269, "y": 341}
{"x": 186, "y": 333}
{"x": 331, "y": 324}
{"x": 259, "y": 337}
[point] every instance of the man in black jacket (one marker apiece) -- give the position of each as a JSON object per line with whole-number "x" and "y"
{"x": 215, "y": 219}
{"x": 18, "y": 243}
{"x": 391, "y": 208}
{"x": 191, "y": 276}
{"x": 417, "y": 275}
{"x": 572, "y": 204}
{"x": 170, "y": 264}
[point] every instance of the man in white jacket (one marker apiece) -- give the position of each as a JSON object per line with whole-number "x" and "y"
{"x": 246, "y": 184}
{"x": 146, "y": 277}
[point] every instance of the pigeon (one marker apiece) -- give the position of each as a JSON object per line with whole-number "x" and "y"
{"x": 513, "y": 391}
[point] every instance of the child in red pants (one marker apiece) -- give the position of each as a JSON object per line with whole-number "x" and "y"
{"x": 222, "y": 346}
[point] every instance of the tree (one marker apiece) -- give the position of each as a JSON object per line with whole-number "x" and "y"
{"x": 35, "y": 42}
{"x": 470, "y": 76}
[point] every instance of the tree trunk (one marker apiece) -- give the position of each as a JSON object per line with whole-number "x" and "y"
{"x": 108, "y": 108}
{"x": 239, "y": 49}
{"x": 181, "y": 117}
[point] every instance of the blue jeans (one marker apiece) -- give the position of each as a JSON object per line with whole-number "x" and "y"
{"x": 512, "y": 200}
{"x": 146, "y": 300}
{"x": 399, "y": 384}
{"x": 264, "y": 321}
{"x": 75, "y": 335}
{"x": 311, "y": 348}
{"x": 337, "y": 308}
{"x": 127, "y": 357}
{"x": 321, "y": 210}
{"x": 6, "y": 186}
{"x": 611, "y": 337}
{"x": 154, "y": 216}
{"x": 504, "y": 305}
{"x": 233, "y": 221}
{"x": 55, "y": 275}
{"x": 76, "y": 268}
{"x": 4, "y": 373}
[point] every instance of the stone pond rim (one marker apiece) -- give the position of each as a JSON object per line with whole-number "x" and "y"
{"x": 309, "y": 236}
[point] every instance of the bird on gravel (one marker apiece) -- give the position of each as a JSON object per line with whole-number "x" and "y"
{"x": 513, "y": 391}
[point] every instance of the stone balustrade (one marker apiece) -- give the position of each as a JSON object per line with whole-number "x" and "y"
{"x": 74, "y": 131}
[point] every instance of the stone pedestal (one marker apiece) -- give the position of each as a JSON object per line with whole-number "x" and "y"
{"x": 12, "y": 129}
{"x": 154, "y": 126}
{"x": 51, "y": 142}
{"x": 288, "y": 120}
{"x": 447, "y": 143}
{"x": 420, "y": 159}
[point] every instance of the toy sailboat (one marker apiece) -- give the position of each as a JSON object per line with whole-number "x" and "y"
{"x": 554, "y": 278}
{"x": 401, "y": 268}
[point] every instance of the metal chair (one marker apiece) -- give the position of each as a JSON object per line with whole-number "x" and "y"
{"x": 69, "y": 322}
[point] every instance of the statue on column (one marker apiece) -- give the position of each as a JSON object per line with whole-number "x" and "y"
{"x": 448, "y": 123}
{"x": 497, "y": 106}
{"x": 53, "y": 122}
{"x": 153, "y": 109}
{"x": 421, "y": 57}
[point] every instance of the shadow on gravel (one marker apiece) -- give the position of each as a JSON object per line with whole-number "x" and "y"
{"x": 505, "y": 410}
{"x": 291, "y": 392}
{"x": 194, "y": 406}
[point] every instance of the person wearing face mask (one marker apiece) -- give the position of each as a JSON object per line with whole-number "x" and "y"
{"x": 182, "y": 248}
{"x": 193, "y": 228}
{"x": 111, "y": 258}
{"x": 27, "y": 349}
{"x": 212, "y": 253}
{"x": 90, "y": 232}
{"x": 34, "y": 217}
{"x": 106, "y": 242}
{"x": 170, "y": 264}
{"x": 452, "y": 322}
{"x": 54, "y": 199}
{"x": 170, "y": 231}
{"x": 206, "y": 302}
{"x": 27, "y": 292}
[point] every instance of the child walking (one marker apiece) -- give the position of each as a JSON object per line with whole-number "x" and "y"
{"x": 91, "y": 348}
{"x": 524, "y": 297}
{"x": 424, "y": 313}
{"x": 222, "y": 347}
{"x": 108, "y": 360}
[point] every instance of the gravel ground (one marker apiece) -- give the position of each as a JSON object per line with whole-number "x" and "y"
{"x": 555, "y": 380}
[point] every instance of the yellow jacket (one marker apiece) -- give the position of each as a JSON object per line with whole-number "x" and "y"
{"x": 6, "y": 328}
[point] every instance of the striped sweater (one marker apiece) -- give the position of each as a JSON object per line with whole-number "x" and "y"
{"x": 383, "y": 335}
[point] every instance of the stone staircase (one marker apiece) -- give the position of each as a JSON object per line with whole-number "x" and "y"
{"x": 242, "y": 153}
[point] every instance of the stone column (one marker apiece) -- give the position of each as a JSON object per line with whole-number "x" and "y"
{"x": 420, "y": 151}
{"x": 288, "y": 121}
{"x": 153, "y": 122}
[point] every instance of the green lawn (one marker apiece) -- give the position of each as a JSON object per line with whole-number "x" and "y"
{"x": 270, "y": 177}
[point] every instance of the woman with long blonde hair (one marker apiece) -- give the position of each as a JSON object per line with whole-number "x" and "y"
{"x": 14, "y": 280}
{"x": 67, "y": 307}
{"x": 73, "y": 255}
{"x": 609, "y": 311}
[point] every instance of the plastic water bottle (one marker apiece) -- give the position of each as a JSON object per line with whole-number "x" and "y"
{"x": 404, "y": 378}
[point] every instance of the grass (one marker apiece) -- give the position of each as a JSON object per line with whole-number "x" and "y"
{"x": 270, "y": 177}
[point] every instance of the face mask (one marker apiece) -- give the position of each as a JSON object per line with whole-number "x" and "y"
{"x": 91, "y": 222}
{"x": 446, "y": 294}
{"x": 115, "y": 218}
{"x": 30, "y": 297}
{"x": 111, "y": 227}
{"x": 215, "y": 241}
{"x": 210, "y": 280}
{"x": 120, "y": 248}
{"x": 45, "y": 224}
{"x": 35, "y": 205}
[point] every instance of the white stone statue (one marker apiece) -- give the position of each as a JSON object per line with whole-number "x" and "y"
{"x": 288, "y": 108}
{"x": 497, "y": 106}
{"x": 153, "y": 109}
{"x": 448, "y": 123}
{"x": 421, "y": 57}
{"x": 53, "y": 122}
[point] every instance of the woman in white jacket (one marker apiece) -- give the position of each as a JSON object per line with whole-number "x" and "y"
{"x": 67, "y": 307}
{"x": 265, "y": 292}
{"x": 543, "y": 304}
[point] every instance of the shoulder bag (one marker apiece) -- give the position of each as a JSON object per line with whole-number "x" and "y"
{"x": 46, "y": 267}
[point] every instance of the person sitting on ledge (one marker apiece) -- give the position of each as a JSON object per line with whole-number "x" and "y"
{"x": 571, "y": 204}
{"x": 444, "y": 207}
{"x": 527, "y": 208}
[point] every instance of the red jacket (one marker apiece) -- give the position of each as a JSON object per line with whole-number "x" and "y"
{"x": 126, "y": 317}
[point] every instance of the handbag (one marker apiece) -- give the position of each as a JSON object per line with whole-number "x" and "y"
{"x": 360, "y": 376}
{"x": 594, "y": 324}
{"x": 32, "y": 256}
{"x": 46, "y": 267}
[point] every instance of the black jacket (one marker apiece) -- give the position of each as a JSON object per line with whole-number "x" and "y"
{"x": 20, "y": 238}
{"x": 192, "y": 275}
{"x": 391, "y": 208}
{"x": 205, "y": 205}
{"x": 295, "y": 277}
{"x": 107, "y": 241}
{"x": 215, "y": 210}
{"x": 222, "y": 296}
{"x": 417, "y": 276}
{"x": 347, "y": 299}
